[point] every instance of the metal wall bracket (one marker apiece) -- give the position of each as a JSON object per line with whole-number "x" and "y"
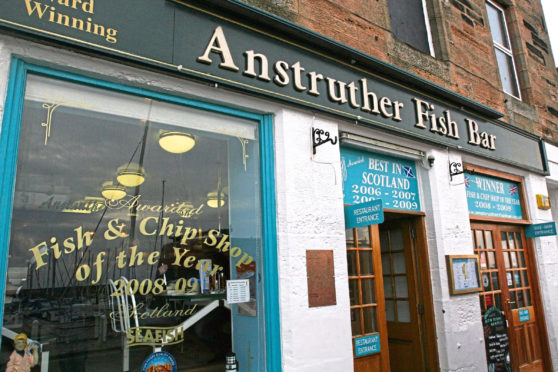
{"x": 317, "y": 139}
{"x": 455, "y": 169}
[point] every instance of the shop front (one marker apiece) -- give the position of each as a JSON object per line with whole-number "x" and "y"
{"x": 510, "y": 289}
{"x": 136, "y": 226}
{"x": 173, "y": 185}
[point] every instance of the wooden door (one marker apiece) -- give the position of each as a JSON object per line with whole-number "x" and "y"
{"x": 508, "y": 284}
{"x": 365, "y": 289}
{"x": 403, "y": 313}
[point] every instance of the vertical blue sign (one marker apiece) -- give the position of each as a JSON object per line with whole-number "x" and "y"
{"x": 493, "y": 197}
{"x": 368, "y": 176}
{"x": 367, "y": 345}
{"x": 524, "y": 315}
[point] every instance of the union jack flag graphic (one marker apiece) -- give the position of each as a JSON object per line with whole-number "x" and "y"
{"x": 467, "y": 181}
{"x": 408, "y": 172}
{"x": 513, "y": 189}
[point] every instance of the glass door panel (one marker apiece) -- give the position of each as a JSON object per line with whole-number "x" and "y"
{"x": 366, "y": 300}
{"x": 507, "y": 286}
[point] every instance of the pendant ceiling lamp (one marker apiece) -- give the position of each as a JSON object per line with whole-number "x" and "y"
{"x": 113, "y": 192}
{"x": 216, "y": 199}
{"x": 176, "y": 142}
{"x": 130, "y": 175}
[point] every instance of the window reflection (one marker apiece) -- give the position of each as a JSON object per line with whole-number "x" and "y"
{"x": 116, "y": 227}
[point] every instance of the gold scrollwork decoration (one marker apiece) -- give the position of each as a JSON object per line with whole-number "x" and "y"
{"x": 48, "y": 124}
{"x": 53, "y": 105}
{"x": 245, "y": 156}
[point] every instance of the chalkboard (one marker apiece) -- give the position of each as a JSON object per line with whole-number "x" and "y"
{"x": 496, "y": 341}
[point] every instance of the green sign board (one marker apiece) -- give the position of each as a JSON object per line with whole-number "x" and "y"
{"x": 176, "y": 35}
{"x": 540, "y": 229}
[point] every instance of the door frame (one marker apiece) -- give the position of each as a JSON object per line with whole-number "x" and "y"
{"x": 530, "y": 249}
{"x": 537, "y": 299}
{"x": 535, "y": 288}
{"x": 423, "y": 282}
{"x": 428, "y": 334}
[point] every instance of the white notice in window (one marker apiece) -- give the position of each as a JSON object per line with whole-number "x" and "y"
{"x": 238, "y": 291}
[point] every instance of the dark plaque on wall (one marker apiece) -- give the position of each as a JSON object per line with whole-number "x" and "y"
{"x": 321, "y": 281}
{"x": 496, "y": 340}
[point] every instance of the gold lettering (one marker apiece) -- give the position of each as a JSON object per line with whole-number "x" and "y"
{"x": 114, "y": 231}
{"x": 152, "y": 259}
{"x": 69, "y": 245}
{"x": 179, "y": 255}
{"x": 188, "y": 234}
{"x": 218, "y": 44}
{"x": 211, "y": 239}
{"x": 88, "y": 236}
{"x": 83, "y": 272}
{"x": 136, "y": 258}
{"x": 189, "y": 261}
{"x": 144, "y": 222}
{"x": 38, "y": 254}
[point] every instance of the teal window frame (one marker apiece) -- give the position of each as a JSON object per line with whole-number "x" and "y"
{"x": 9, "y": 141}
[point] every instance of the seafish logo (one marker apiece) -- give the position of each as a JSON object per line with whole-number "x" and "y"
{"x": 159, "y": 362}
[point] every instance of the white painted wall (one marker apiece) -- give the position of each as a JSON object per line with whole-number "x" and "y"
{"x": 310, "y": 216}
{"x": 458, "y": 318}
{"x": 547, "y": 254}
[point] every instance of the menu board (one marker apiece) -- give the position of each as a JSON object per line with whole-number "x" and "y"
{"x": 465, "y": 274}
{"x": 496, "y": 341}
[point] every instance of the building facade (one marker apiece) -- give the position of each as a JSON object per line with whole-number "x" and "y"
{"x": 310, "y": 185}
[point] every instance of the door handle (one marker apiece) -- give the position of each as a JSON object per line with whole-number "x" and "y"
{"x": 510, "y": 303}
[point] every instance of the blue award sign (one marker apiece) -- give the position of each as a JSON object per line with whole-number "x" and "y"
{"x": 540, "y": 229}
{"x": 367, "y": 345}
{"x": 370, "y": 213}
{"x": 368, "y": 176}
{"x": 493, "y": 197}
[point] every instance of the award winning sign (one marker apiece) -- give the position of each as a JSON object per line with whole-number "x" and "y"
{"x": 178, "y": 36}
{"x": 367, "y": 345}
{"x": 496, "y": 341}
{"x": 368, "y": 177}
{"x": 493, "y": 197}
{"x": 364, "y": 214}
{"x": 540, "y": 229}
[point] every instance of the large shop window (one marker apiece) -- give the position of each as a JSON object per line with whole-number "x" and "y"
{"x": 136, "y": 226}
